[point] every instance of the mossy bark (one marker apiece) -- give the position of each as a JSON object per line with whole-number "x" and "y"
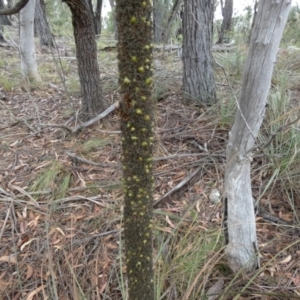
{"x": 135, "y": 76}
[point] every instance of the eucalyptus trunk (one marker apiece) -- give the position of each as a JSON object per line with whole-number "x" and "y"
{"x": 227, "y": 10}
{"x": 27, "y": 47}
{"x": 41, "y": 24}
{"x": 198, "y": 77}
{"x": 86, "y": 52}
{"x": 242, "y": 248}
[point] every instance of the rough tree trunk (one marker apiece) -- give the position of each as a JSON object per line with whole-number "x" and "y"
{"x": 112, "y": 5}
{"x": 97, "y": 17}
{"x": 41, "y": 24}
{"x": 27, "y": 47}
{"x": 227, "y": 11}
{"x": 158, "y": 14}
{"x": 171, "y": 19}
{"x": 198, "y": 77}
{"x": 135, "y": 77}
{"x": 86, "y": 52}
{"x": 241, "y": 231}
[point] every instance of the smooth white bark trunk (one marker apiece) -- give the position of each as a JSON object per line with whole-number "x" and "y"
{"x": 265, "y": 38}
{"x": 27, "y": 47}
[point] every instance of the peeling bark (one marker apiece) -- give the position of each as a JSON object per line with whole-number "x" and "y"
{"x": 27, "y": 47}
{"x": 265, "y": 38}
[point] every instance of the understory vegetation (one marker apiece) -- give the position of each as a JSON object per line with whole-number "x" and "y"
{"x": 61, "y": 197}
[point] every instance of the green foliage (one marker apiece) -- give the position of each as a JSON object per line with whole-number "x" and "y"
{"x": 8, "y": 83}
{"x": 54, "y": 179}
{"x": 282, "y": 139}
{"x": 183, "y": 259}
{"x": 93, "y": 145}
{"x": 291, "y": 35}
{"x": 59, "y": 18}
{"x": 108, "y": 23}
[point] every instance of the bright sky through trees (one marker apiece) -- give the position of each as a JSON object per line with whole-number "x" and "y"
{"x": 238, "y": 7}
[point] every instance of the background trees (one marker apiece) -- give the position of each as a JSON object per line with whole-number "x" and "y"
{"x": 227, "y": 10}
{"x": 41, "y": 24}
{"x": 27, "y": 47}
{"x": 198, "y": 77}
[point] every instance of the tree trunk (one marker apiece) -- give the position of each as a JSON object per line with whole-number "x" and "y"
{"x": 97, "y": 17}
{"x": 86, "y": 53}
{"x": 198, "y": 77}
{"x": 112, "y": 5}
{"x": 172, "y": 16}
{"x": 27, "y": 47}
{"x": 41, "y": 24}
{"x": 158, "y": 15}
{"x": 239, "y": 212}
{"x": 135, "y": 78}
{"x": 254, "y": 17}
{"x": 227, "y": 11}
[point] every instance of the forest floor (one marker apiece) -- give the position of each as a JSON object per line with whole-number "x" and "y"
{"x": 61, "y": 194}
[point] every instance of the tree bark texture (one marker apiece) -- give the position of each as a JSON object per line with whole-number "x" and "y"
{"x": 27, "y": 47}
{"x": 227, "y": 11}
{"x": 86, "y": 53}
{"x": 41, "y": 24}
{"x": 97, "y": 17}
{"x": 241, "y": 230}
{"x": 158, "y": 20}
{"x": 135, "y": 77}
{"x": 112, "y": 5}
{"x": 171, "y": 19}
{"x": 198, "y": 77}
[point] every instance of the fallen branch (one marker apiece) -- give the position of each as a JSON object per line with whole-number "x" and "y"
{"x": 86, "y": 161}
{"x": 178, "y": 186}
{"x": 97, "y": 118}
{"x": 79, "y": 127}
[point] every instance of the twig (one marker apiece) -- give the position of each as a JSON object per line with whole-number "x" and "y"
{"x": 97, "y": 118}
{"x": 178, "y": 186}
{"x": 57, "y": 126}
{"x": 262, "y": 145}
{"x": 236, "y": 100}
{"x": 81, "y": 241}
{"x": 187, "y": 155}
{"x": 23, "y": 192}
{"x": 5, "y": 221}
{"x": 86, "y": 124}
{"x": 86, "y": 161}
{"x": 94, "y": 199}
{"x": 29, "y": 126}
